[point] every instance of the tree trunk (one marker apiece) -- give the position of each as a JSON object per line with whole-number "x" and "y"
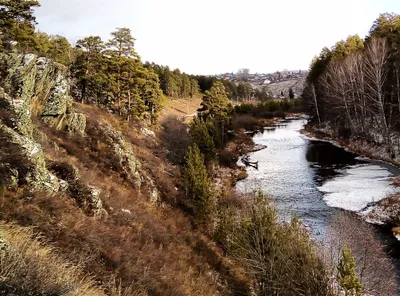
{"x": 315, "y": 102}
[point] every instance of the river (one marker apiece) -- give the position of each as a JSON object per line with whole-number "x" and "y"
{"x": 316, "y": 180}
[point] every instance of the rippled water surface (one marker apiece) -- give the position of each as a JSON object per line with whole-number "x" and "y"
{"x": 312, "y": 178}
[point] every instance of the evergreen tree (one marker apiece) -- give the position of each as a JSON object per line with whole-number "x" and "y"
{"x": 17, "y": 23}
{"x": 244, "y": 90}
{"x": 60, "y": 50}
{"x": 194, "y": 87}
{"x": 120, "y": 50}
{"x": 347, "y": 274}
{"x": 215, "y": 102}
{"x": 89, "y": 68}
{"x": 200, "y": 136}
{"x": 197, "y": 184}
{"x": 122, "y": 43}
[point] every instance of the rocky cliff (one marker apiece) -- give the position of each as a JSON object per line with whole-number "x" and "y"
{"x": 35, "y": 88}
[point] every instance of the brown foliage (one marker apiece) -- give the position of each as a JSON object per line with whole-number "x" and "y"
{"x": 137, "y": 247}
{"x": 374, "y": 268}
{"x": 175, "y": 138}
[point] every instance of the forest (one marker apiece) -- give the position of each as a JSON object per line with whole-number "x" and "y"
{"x": 353, "y": 88}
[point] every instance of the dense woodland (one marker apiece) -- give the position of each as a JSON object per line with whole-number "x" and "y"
{"x": 200, "y": 240}
{"x": 354, "y": 87}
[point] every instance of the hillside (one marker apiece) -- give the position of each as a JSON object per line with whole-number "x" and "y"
{"x": 277, "y": 88}
{"x": 97, "y": 187}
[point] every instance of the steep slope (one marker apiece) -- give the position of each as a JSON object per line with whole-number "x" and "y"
{"x": 99, "y": 189}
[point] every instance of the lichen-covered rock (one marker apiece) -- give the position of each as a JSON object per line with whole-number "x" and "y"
{"x": 154, "y": 194}
{"x": 87, "y": 197}
{"x": 76, "y": 123}
{"x": 34, "y": 85}
{"x": 64, "y": 186}
{"x": 59, "y": 99}
{"x": 26, "y": 157}
{"x": 123, "y": 156}
{"x": 147, "y": 132}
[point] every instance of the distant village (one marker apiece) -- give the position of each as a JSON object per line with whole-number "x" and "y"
{"x": 262, "y": 78}
{"x": 278, "y": 84}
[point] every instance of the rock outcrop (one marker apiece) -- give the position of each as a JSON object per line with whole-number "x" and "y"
{"x": 24, "y": 161}
{"x": 123, "y": 158}
{"x": 36, "y": 85}
{"x": 86, "y": 196}
{"x": 31, "y": 85}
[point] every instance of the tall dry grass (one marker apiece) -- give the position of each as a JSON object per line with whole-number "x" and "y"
{"x": 28, "y": 266}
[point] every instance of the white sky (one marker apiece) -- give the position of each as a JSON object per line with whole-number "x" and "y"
{"x": 216, "y": 36}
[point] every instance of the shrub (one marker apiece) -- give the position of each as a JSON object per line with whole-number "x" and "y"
{"x": 246, "y": 121}
{"x": 280, "y": 257}
{"x": 227, "y": 158}
{"x": 175, "y": 138}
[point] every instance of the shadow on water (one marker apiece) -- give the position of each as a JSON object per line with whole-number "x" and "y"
{"x": 328, "y": 160}
{"x": 293, "y": 168}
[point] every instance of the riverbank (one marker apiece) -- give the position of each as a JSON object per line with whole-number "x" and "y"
{"x": 385, "y": 212}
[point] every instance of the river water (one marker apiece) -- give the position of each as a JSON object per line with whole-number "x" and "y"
{"x": 312, "y": 178}
{"x": 318, "y": 182}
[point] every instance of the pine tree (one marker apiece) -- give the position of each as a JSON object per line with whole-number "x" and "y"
{"x": 122, "y": 43}
{"x": 215, "y": 102}
{"x": 200, "y": 136}
{"x": 194, "y": 87}
{"x": 120, "y": 50}
{"x": 17, "y": 22}
{"x": 197, "y": 184}
{"x": 89, "y": 68}
{"x": 347, "y": 276}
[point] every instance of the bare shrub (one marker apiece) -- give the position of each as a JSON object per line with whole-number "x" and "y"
{"x": 246, "y": 121}
{"x": 175, "y": 138}
{"x": 280, "y": 257}
{"x": 374, "y": 268}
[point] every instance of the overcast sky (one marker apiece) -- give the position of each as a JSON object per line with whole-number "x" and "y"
{"x": 215, "y": 36}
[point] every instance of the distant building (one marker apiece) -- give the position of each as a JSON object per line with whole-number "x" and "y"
{"x": 267, "y": 81}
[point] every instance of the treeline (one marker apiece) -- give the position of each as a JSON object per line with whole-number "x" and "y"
{"x": 175, "y": 84}
{"x": 236, "y": 92}
{"x": 354, "y": 87}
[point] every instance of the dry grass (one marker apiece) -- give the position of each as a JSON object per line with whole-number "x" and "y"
{"x": 181, "y": 107}
{"x": 27, "y": 265}
{"x": 137, "y": 247}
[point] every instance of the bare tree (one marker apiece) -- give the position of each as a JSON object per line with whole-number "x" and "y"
{"x": 376, "y": 57}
